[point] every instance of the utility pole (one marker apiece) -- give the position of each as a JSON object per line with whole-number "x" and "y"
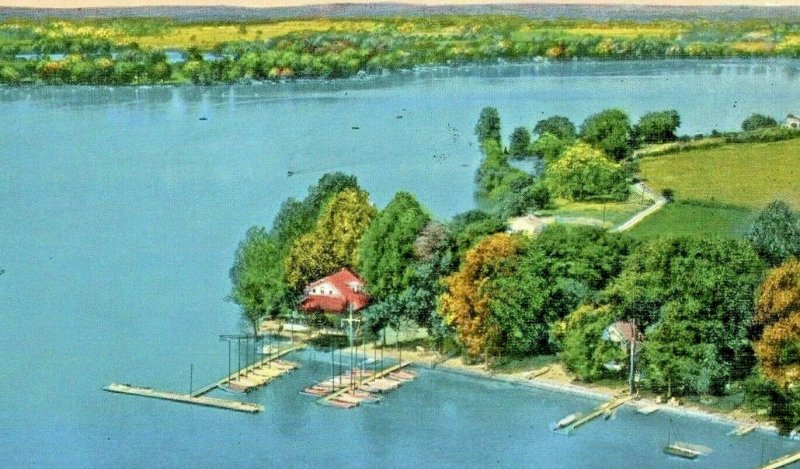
{"x": 633, "y": 357}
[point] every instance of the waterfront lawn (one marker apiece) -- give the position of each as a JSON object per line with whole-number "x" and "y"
{"x": 744, "y": 174}
{"x": 696, "y": 218}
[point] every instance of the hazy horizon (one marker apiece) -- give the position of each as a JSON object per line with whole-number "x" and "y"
{"x": 295, "y": 3}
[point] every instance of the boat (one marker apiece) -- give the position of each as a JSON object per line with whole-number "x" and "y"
{"x": 356, "y": 128}
{"x": 568, "y": 420}
{"x": 676, "y": 448}
{"x": 233, "y": 388}
{"x": 203, "y": 118}
{"x": 743, "y": 430}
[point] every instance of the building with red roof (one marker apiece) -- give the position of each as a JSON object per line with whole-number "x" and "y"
{"x": 335, "y": 293}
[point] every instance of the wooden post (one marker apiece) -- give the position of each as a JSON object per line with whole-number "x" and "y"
{"x": 229, "y": 362}
{"x": 333, "y": 375}
{"x": 191, "y": 378}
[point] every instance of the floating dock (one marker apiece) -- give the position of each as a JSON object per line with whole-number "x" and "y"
{"x": 606, "y": 407}
{"x": 743, "y": 430}
{"x": 243, "y": 380}
{"x": 185, "y": 398}
{"x": 783, "y": 461}
{"x": 359, "y": 386}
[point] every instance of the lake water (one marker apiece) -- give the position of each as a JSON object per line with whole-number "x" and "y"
{"x": 121, "y": 210}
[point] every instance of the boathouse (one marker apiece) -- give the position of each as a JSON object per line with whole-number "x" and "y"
{"x": 336, "y": 293}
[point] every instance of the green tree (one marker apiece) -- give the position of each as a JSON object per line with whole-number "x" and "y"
{"x": 694, "y": 296}
{"x": 257, "y": 277}
{"x": 520, "y": 143}
{"x": 584, "y": 351}
{"x": 758, "y": 121}
{"x": 549, "y": 147}
{"x": 657, "y": 127}
{"x": 488, "y": 126}
{"x": 610, "y": 131}
{"x": 333, "y": 243}
{"x": 584, "y": 173}
{"x": 775, "y": 234}
{"x": 558, "y": 126}
{"x": 386, "y": 252}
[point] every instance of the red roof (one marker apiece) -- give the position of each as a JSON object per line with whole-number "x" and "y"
{"x": 627, "y": 330}
{"x": 348, "y": 290}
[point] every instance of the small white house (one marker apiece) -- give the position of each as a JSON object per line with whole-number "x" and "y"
{"x": 621, "y": 333}
{"x": 792, "y": 122}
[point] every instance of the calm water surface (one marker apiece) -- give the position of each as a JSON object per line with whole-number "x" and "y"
{"x": 120, "y": 211}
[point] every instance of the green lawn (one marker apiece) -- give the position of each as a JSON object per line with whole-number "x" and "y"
{"x": 607, "y": 214}
{"x": 744, "y": 174}
{"x": 691, "y": 218}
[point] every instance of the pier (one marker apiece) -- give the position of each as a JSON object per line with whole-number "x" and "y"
{"x": 783, "y": 461}
{"x": 262, "y": 371}
{"x": 604, "y": 408}
{"x": 185, "y": 398}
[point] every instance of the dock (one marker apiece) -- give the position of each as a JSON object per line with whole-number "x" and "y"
{"x": 783, "y": 461}
{"x": 743, "y": 430}
{"x": 362, "y": 389}
{"x": 600, "y": 410}
{"x": 243, "y": 380}
{"x": 254, "y": 368}
{"x": 185, "y": 398}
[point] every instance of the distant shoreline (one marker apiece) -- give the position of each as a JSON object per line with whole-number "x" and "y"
{"x": 244, "y": 10}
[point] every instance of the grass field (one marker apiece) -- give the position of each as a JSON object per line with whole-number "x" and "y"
{"x": 746, "y": 174}
{"x": 605, "y": 214}
{"x": 696, "y": 218}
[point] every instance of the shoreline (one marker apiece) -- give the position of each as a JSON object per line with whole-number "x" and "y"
{"x": 560, "y": 384}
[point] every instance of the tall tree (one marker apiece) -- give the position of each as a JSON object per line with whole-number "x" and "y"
{"x": 333, "y": 243}
{"x": 386, "y": 252}
{"x": 610, "y": 131}
{"x": 257, "y": 277}
{"x": 488, "y": 126}
{"x": 520, "y": 143}
{"x": 296, "y": 218}
{"x": 466, "y": 303}
{"x": 775, "y": 234}
{"x": 778, "y": 311}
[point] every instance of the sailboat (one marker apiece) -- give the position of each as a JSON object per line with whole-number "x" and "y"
{"x": 676, "y": 448}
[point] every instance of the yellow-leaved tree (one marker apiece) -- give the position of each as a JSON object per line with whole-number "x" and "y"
{"x": 465, "y": 303}
{"x": 333, "y": 243}
{"x": 778, "y": 310}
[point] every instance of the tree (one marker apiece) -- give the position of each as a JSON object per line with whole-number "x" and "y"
{"x": 520, "y": 143}
{"x": 758, "y": 121}
{"x": 694, "y": 296}
{"x": 778, "y": 311}
{"x": 257, "y": 277}
{"x": 584, "y": 173}
{"x": 657, "y": 127}
{"x": 557, "y": 126}
{"x": 583, "y": 349}
{"x": 488, "y": 126}
{"x": 775, "y": 234}
{"x": 610, "y": 131}
{"x": 470, "y": 227}
{"x": 296, "y": 218}
{"x": 386, "y": 252}
{"x": 549, "y": 147}
{"x": 333, "y": 243}
{"x": 466, "y": 303}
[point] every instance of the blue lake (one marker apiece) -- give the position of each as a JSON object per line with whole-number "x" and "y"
{"x": 121, "y": 210}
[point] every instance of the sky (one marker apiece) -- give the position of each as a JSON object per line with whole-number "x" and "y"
{"x": 275, "y": 3}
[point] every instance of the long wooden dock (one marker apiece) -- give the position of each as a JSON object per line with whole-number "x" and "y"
{"x": 373, "y": 377}
{"x": 199, "y": 397}
{"x": 783, "y": 461}
{"x": 600, "y": 410}
{"x": 185, "y": 398}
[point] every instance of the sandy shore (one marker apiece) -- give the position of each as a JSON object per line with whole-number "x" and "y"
{"x": 555, "y": 378}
